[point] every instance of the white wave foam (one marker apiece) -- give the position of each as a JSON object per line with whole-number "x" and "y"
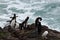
{"x": 28, "y": 6}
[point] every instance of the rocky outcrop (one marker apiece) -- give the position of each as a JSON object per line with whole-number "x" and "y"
{"x": 7, "y": 33}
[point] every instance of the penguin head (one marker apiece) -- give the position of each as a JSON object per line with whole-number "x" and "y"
{"x": 39, "y": 19}
{"x": 14, "y": 15}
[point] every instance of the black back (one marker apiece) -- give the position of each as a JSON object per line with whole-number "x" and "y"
{"x": 38, "y": 24}
{"x": 25, "y": 20}
{"x": 23, "y": 24}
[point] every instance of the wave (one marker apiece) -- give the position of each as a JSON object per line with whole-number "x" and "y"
{"x": 49, "y": 10}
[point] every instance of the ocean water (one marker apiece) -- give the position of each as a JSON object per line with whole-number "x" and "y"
{"x": 49, "y": 10}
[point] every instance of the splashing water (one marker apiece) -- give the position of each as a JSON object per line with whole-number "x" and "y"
{"x": 49, "y": 10}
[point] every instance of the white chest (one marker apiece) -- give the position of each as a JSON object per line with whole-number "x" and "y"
{"x": 13, "y": 23}
{"x": 17, "y": 25}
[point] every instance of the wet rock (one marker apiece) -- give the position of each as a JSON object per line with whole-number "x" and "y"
{"x": 7, "y": 33}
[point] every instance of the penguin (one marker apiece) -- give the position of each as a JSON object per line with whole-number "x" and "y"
{"x": 38, "y": 19}
{"x": 38, "y": 24}
{"x": 24, "y": 24}
{"x": 44, "y": 35}
{"x": 13, "y": 21}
